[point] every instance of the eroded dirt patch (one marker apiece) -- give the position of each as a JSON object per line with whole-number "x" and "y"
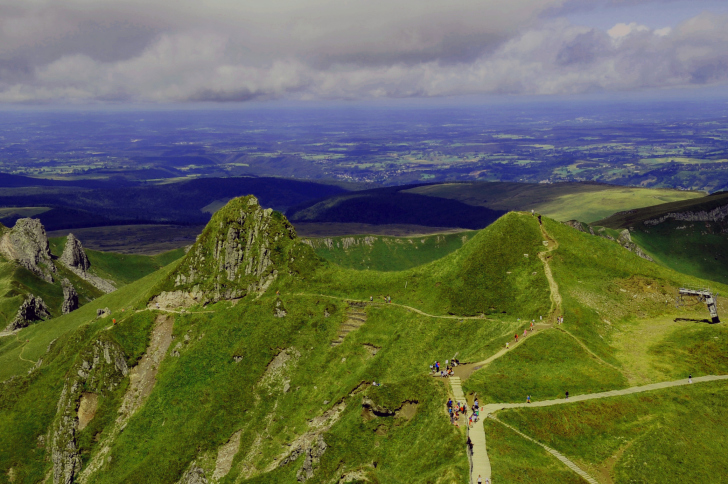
{"x": 87, "y": 407}
{"x": 142, "y": 379}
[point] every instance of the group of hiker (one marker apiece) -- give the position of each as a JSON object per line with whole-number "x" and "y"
{"x": 456, "y": 409}
{"x": 387, "y": 299}
{"x": 447, "y": 371}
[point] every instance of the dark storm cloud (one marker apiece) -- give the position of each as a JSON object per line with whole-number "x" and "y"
{"x": 236, "y": 51}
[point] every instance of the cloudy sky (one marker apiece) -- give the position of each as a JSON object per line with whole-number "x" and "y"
{"x": 181, "y": 51}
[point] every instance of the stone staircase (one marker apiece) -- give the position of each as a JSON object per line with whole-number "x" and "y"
{"x": 356, "y": 316}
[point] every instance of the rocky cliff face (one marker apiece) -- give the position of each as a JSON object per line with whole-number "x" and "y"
{"x": 70, "y": 297}
{"x": 242, "y": 251}
{"x": 718, "y": 214}
{"x": 27, "y": 244}
{"x": 624, "y": 239}
{"x": 101, "y": 368}
{"x": 75, "y": 258}
{"x": 32, "y": 309}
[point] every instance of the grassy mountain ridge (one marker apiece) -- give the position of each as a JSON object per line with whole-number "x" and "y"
{"x": 386, "y": 253}
{"x": 688, "y": 236}
{"x": 276, "y": 383}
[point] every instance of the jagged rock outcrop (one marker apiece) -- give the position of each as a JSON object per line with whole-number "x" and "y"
{"x": 27, "y": 244}
{"x": 313, "y": 456}
{"x": 346, "y": 242}
{"x": 625, "y": 240}
{"x": 32, "y": 309}
{"x": 280, "y": 310}
{"x": 242, "y": 251}
{"x": 100, "y": 370}
{"x": 75, "y": 258}
{"x": 70, "y": 297}
{"x": 580, "y": 226}
{"x": 718, "y": 214}
{"x": 193, "y": 475}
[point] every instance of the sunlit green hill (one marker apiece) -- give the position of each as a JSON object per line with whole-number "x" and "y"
{"x": 251, "y": 359}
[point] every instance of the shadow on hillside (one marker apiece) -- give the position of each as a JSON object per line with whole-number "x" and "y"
{"x": 691, "y": 320}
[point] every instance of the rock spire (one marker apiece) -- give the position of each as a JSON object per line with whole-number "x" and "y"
{"x": 27, "y": 244}
{"x": 74, "y": 256}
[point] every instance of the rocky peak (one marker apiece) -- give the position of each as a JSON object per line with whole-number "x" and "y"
{"x": 70, "y": 297}
{"x": 75, "y": 258}
{"x": 73, "y": 254}
{"x": 27, "y": 244}
{"x": 32, "y": 309}
{"x": 242, "y": 250}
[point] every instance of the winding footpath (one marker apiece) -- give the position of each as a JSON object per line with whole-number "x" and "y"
{"x": 408, "y": 308}
{"x": 480, "y": 461}
{"x": 551, "y": 451}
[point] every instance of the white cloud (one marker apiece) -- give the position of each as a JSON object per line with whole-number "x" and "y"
{"x": 620, "y": 31}
{"x": 129, "y": 50}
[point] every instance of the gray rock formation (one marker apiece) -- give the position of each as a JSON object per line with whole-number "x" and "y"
{"x": 74, "y": 256}
{"x": 27, "y": 244}
{"x": 32, "y": 309}
{"x": 102, "y": 367}
{"x": 625, "y": 240}
{"x": 313, "y": 456}
{"x": 241, "y": 251}
{"x": 70, "y": 297}
{"x": 718, "y": 214}
{"x": 279, "y": 311}
{"x": 580, "y": 226}
{"x": 193, "y": 475}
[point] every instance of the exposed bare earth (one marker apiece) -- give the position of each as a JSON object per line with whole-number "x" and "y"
{"x": 142, "y": 379}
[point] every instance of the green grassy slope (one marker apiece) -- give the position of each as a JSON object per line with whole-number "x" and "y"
{"x": 671, "y": 435}
{"x": 387, "y": 253}
{"x": 223, "y": 373}
{"x": 496, "y": 272}
{"x": 31, "y": 342}
{"x": 545, "y": 366}
{"x": 561, "y": 201}
{"x": 697, "y": 248}
{"x": 621, "y": 220}
{"x": 120, "y": 268}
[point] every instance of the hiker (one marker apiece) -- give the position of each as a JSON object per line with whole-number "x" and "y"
{"x": 470, "y": 445}
{"x": 690, "y": 378}
{"x": 476, "y": 405}
{"x": 528, "y": 399}
{"x": 480, "y": 479}
{"x": 539, "y": 220}
{"x": 506, "y": 345}
{"x": 449, "y": 403}
{"x": 371, "y": 298}
{"x": 113, "y": 320}
{"x": 567, "y": 394}
{"x": 525, "y": 332}
{"x": 516, "y": 337}
{"x": 531, "y": 325}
